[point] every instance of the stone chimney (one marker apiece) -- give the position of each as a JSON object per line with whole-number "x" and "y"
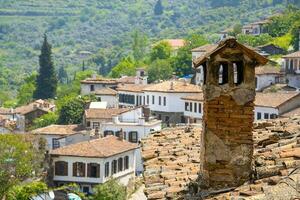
{"x": 227, "y": 143}
{"x": 115, "y": 119}
{"x": 172, "y": 85}
{"x": 121, "y": 135}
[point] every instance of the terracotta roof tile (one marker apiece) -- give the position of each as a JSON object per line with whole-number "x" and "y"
{"x": 292, "y": 55}
{"x": 59, "y": 129}
{"x": 106, "y": 91}
{"x": 198, "y": 97}
{"x": 132, "y": 88}
{"x": 267, "y": 69}
{"x": 38, "y": 104}
{"x": 96, "y": 113}
{"x": 174, "y": 87}
{"x": 99, "y": 148}
{"x": 127, "y": 80}
{"x": 274, "y": 99}
{"x": 175, "y": 43}
{"x": 99, "y": 81}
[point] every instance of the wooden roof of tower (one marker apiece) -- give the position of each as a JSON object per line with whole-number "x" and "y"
{"x": 230, "y": 42}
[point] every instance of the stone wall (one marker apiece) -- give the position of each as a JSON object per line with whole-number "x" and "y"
{"x": 228, "y": 142}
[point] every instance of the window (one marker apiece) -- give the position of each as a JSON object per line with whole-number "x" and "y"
{"x": 153, "y": 99}
{"x": 140, "y": 100}
{"x": 159, "y": 116}
{"x": 256, "y": 82}
{"x": 147, "y": 99}
{"x": 238, "y": 69}
{"x": 86, "y": 189}
{"x": 137, "y": 100}
{"x": 124, "y": 135}
{"x": 96, "y": 125}
{"x": 106, "y": 169}
{"x": 182, "y": 119}
{"x": 133, "y": 136}
{"x": 88, "y": 124}
{"x": 204, "y": 73}
{"x": 92, "y": 88}
{"x": 186, "y": 106}
{"x": 126, "y": 162}
{"x": 79, "y": 169}
{"x": 106, "y": 133}
{"x": 117, "y": 133}
{"x": 167, "y": 118}
{"x": 191, "y": 107}
{"x": 223, "y": 73}
{"x": 199, "y": 108}
{"x": 266, "y": 116}
{"x": 99, "y": 99}
{"x": 120, "y": 164}
{"x": 159, "y": 100}
{"x": 258, "y": 116}
{"x": 273, "y": 116}
{"x": 93, "y": 170}
{"x": 61, "y": 168}
{"x": 291, "y": 64}
{"x": 165, "y": 101}
{"x": 195, "y": 107}
{"x": 144, "y": 101}
{"x": 55, "y": 143}
{"x": 114, "y": 167}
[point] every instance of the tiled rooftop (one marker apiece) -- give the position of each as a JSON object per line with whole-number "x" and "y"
{"x": 174, "y": 87}
{"x": 273, "y": 99}
{"x": 55, "y": 129}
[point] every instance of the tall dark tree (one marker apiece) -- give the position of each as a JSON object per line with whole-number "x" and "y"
{"x": 46, "y": 82}
{"x": 158, "y": 8}
{"x": 62, "y": 75}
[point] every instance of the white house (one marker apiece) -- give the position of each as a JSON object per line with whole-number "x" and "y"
{"x": 193, "y": 108}
{"x": 165, "y": 100}
{"x": 265, "y": 76}
{"x": 134, "y": 125}
{"x": 107, "y": 95}
{"x": 131, "y": 95}
{"x": 273, "y": 105}
{"x": 94, "y": 162}
{"x": 62, "y": 135}
{"x": 291, "y": 67}
{"x": 90, "y": 85}
{"x": 255, "y": 28}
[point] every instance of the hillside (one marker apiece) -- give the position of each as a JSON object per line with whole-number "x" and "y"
{"x": 105, "y": 27}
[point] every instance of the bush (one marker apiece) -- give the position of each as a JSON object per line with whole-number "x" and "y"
{"x": 111, "y": 190}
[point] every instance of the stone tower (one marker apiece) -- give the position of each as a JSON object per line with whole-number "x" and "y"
{"x": 229, "y": 92}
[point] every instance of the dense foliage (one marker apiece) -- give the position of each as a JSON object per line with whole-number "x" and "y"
{"x": 25, "y": 191}
{"x": 19, "y": 160}
{"x": 46, "y": 81}
{"x": 105, "y": 29}
{"x": 110, "y": 190}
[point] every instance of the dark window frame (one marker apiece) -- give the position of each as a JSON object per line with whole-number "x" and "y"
{"x": 61, "y": 168}
{"x": 131, "y": 137}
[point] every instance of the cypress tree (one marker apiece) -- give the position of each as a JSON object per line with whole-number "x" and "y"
{"x": 46, "y": 82}
{"x": 158, "y": 8}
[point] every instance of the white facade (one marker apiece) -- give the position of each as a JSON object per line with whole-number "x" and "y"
{"x": 132, "y": 98}
{"x": 142, "y": 128}
{"x": 291, "y": 66}
{"x": 88, "y": 182}
{"x": 165, "y": 102}
{"x": 193, "y": 111}
{"x": 88, "y": 88}
{"x": 264, "y": 80}
{"x": 262, "y": 113}
{"x": 111, "y": 100}
{"x": 199, "y": 71}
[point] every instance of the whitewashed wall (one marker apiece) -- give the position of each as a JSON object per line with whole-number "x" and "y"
{"x": 265, "y": 80}
{"x": 264, "y": 110}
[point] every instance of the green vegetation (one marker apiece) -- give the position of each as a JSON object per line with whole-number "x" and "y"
{"x": 46, "y": 81}
{"x": 24, "y": 192}
{"x": 19, "y": 160}
{"x": 110, "y": 190}
{"x": 105, "y": 29}
{"x": 160, "y": 70}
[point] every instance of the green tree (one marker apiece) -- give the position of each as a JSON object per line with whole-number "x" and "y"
{"x": 160, "y": 70}
{"x": 45, "y": 120}
{"x": 24, "y": 192}
{"x": 182, "y": 62}
{"x": 62, "y": 75}
{"x": 46, "y": 82}
{"x": 253, "y": 40}
{"x": 162, "y": 50}
{"x": 25, "y": 92}
{"x": 295, "y": 36}
{"x": 18, "y": 160}
{"x": 237, "y": 29}
{"x": 124, "y": 67}
{"x": 158, "y": 8}
{"x": 110, "y": 190}
{"x": 139, "y": 45}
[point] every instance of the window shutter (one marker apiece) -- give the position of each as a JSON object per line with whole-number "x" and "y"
{"x": 83, "y": 168}
{"x": 65, "y": 165}
{"x": 74, "y": 169}
{"x": 98, "y": 171}
{"x": 89, "y": 170}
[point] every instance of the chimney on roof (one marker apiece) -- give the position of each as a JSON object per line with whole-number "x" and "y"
{"x": 172, "y": 85}
{"x": 121, "y": 135}
{"x": 115, "y": 119}
{"x": 97, "y": 134}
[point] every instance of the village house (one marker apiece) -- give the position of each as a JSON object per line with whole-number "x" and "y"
{"x": 131, "y": 95}
{"x": 134, "y": 125}
{"x": 93, "y": 162}
{"x": 291, "y": 67}
{"x": 175, "y": 44}
{"x": 273, "y": 105}
{"x": 62, "y": 135}
{"x": 255, "y": 28}
{"x": 164, "y": 100}
{"x": 107, "y": 95}
{"x": 193, "y": 108}
{"x": 265, "y": 76}
{"x": 271, "y": 49}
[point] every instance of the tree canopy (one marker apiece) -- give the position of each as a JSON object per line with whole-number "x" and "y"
{"x": 110, "y": 190}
